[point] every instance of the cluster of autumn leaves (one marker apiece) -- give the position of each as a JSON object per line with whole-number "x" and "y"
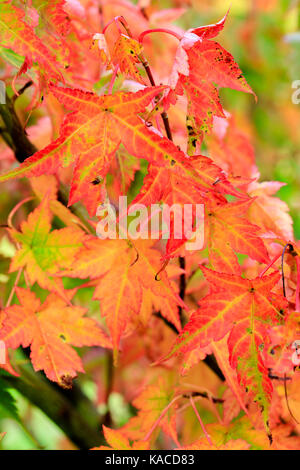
{"x": 234, "y": 305}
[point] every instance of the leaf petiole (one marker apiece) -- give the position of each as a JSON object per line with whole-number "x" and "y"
{"x": 159, "y": 30}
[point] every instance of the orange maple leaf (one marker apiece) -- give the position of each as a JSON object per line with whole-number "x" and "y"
{"x": 196, "y": 181}
{"x": 90, "y": 135}
{"x": 227, "y": 143}
{"x": 246, "y": 308}
{"x": 43, "y": 253}
{"x": 118, "y": 441}
{"x": 229, "y": 231}
{"x": 152, "y": 404}
{"x": 126, "y": 54}
{"x": 200, "y": 64}
{"x": 18, "y": 35}
{"x": 49, "y": 329}
{"x": 203, "y": 444}
{"x": 125, "y": 272}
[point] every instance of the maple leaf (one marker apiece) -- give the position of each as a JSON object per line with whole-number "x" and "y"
{"x": 125, "y": 271}
{"x": 199, "y": 65}
{"x": 47, "y": 186}
{"x": 90, "y": 135}
{"x": 97, "y": 257}
{"x": 152, "y": 403}
{"x": 100, "y": 45}
{"x": 49, "y": 329}
{"x": 226, "y": 230}
{"x": 189, "y": 181}
{"x": 44, "y": 253}
{"x": 220, "y": 350}
{"x": 193, "y": 182}
{"x": 243, "y": 428}
{"x": 7, "y": 365}
{"x": 203, "y": 444}
{"x": 118, "y": 441}
{"x": 231, "y": 407}
{"x": 269, "y": 212}
{"x": 126, "y": 54}
{"x": 133, "y": 14}
{"x": 161, "y": 299}
{"x": 124, "y": 299}
{"x": 193, "y": 358}
{"x": 283, "y": 340}
{"x": 53, "y": 12}
{"x": 19, "y": 36}
{"x": 123, "y": 168}
{"x": 282, "y": 439}
{"x": 246, "y": 308}
{"x": 227, "y": 143}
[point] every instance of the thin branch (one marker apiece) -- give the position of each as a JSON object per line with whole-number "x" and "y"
{"x": 287, "y": 400}
{"x": 182, "y": 287}
{"x": 166, "y": 122}
{"x": 164, "y": 115}
{"x": 204, "y": 395}
{"x": 166, "y": 322}
{"x": 21, "y": 91}
{"x": 290, "y": 247}
{"x": 14, "y": 288}
{"x": 116, "y": 20}
{"x": 269, "y": 265}
{"x": 14, "y": 134}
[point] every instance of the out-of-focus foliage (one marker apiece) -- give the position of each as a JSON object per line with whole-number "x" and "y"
{"x": 261, "y": 36}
